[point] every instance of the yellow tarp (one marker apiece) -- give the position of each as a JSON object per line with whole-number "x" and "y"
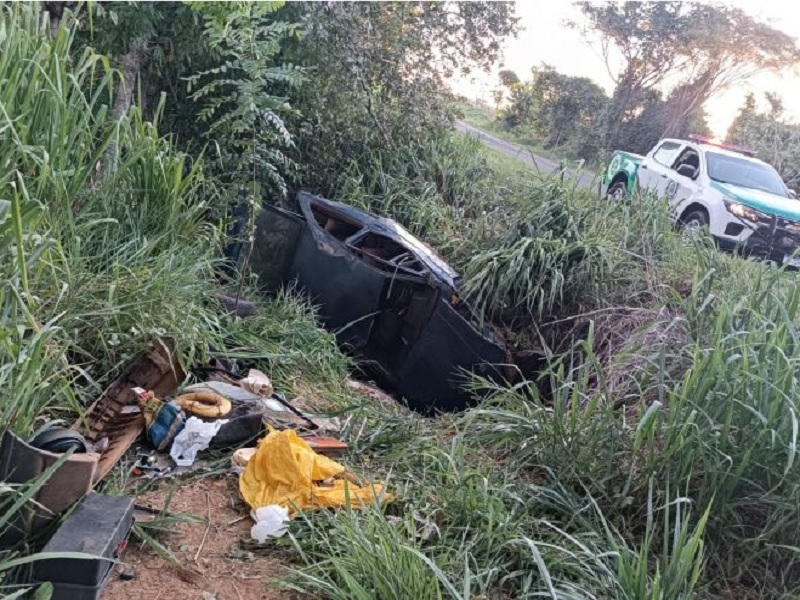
{"x": 286, "y": 471}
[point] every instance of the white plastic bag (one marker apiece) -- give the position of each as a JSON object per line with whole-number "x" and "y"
{"x": 195, "y": 436}
{"x": 271, "y": 521}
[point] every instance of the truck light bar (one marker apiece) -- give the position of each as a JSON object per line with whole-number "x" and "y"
{"x": 733, "y": 148}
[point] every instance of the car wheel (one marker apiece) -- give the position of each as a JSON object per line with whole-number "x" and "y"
{"x": 618, "y": 191}
{"x": 695, "y": 221}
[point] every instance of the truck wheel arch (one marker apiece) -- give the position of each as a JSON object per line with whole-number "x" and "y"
{"x": 621, "y": 177}
{"x": 693, "y": 207}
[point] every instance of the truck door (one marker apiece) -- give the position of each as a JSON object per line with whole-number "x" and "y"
{"x": 655, "y": 168}
{"x": 680, "y": 185}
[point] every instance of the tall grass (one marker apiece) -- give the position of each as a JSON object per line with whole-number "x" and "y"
{"x": 441, "y": 195}
{"x": 102, "y": 263}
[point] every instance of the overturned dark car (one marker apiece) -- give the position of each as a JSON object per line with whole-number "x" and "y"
{"x": 390, "y": 299}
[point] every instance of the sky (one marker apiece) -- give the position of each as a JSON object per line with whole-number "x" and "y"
{"x": 544, "y": 38}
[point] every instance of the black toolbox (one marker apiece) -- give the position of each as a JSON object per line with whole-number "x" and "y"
{"x": 99, "y": 526}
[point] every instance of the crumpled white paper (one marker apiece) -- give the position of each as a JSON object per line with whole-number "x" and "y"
{"x": 271, "y": 521}
{"x": 257, "y": 382}
{"x": 195, "y": 436}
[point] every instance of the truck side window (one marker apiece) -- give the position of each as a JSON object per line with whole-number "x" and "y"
{"x": 688, "y": 157}
{"x": 667, "y": 153}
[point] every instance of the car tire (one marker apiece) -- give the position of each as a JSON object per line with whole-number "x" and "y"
{"x": 695, "y": 220}
{"x": 618, "y": 191}
{"x": 59, "y": 440}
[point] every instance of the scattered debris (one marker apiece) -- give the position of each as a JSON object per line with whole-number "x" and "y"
{"x": 241, "y": 457}
{"x": 231, "y": 391}
{"x": 195, "y": 436}
{"x": 285, "y": 470}
{"x": 209, "y": 405}
{"x": 160, "y": 370}
{"x": 258, "y": 383}
{"x": 163, "y": 419}
{"x": 327, "y": 446}
{"x": 284, "y": 473}
{"x": 99, "y": 447}
{"x": 20, "y": 462}
{"x": 243, "y": 429}
{"x": 104, "y": 433}
{"x": 60, "y": 440}
{"x": 150, "y": 464}
{"x": 270, "y": 521}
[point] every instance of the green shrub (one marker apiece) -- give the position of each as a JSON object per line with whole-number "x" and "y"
{"x": 545, "y": 258}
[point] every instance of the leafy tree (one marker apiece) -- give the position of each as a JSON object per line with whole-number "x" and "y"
{"x": 641, "y": 126}
{"x": 727, "y": 47}
{"x": 508, "y": 78}
{"x": 379, "y": 72}
{"x": 179, "y": 48}
{"x": 55, "y": 12}
{"x": 690, "y": 50}
{"x": 559, "y": 110}
{"x": 122, "y": 31}
{"x": 242, "y": 111}
{"x": 570, "y": 113}
{"x": 218, "y": 65}
{"x": 377, "y": 76}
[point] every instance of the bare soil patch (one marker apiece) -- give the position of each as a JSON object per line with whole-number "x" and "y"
{"x": 223, "y": 569}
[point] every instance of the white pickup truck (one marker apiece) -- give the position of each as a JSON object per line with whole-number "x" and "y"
{"x": 742, "y": 200}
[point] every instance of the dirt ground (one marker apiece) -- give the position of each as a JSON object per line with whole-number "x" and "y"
{"x": 222, "y": 570}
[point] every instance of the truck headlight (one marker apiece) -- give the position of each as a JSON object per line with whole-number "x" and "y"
{"x": 745, "y": 212}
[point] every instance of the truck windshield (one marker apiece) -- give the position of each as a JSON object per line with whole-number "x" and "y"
{"x": 744, "y": 173}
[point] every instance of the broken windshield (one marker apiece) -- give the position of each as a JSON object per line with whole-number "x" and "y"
{"x": 744, "y": 173}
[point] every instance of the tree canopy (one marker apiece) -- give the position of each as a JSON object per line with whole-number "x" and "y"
{"x": 376, "y": 75}
{"x": 689, "y": 51}
{"x": 559, "y": 110}
{"x": 380, "y": 71}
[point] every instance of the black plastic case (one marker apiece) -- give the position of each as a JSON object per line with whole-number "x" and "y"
{"x": 99, "y": 526}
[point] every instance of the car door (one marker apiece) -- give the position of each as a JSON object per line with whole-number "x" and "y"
{"x": 654, "y": 171}
{"x": 277, "y": 235}
{"x": 433, "y": 373}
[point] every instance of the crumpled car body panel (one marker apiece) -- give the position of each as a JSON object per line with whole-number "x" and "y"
{"x": 388, "y": 297}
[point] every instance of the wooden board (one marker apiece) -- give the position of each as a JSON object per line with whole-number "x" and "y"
{"x": 159, "y": 369}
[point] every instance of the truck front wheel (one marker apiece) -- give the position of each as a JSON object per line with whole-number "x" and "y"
{"x": 695, "y": 220}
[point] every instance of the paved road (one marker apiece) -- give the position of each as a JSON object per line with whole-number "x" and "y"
{"x": 586, "y": 179}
